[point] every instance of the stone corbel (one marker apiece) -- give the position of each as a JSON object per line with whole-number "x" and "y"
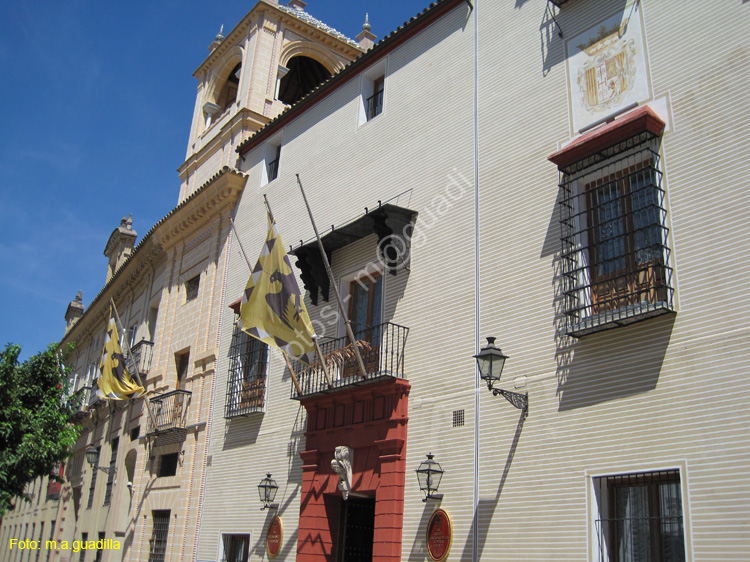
{"x": 342, "y": 465}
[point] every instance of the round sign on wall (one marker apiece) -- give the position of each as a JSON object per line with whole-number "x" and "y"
{"x": 274, "y": 537}
{"x": 439, "y": 535}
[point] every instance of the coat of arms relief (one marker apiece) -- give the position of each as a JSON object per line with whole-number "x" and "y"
{"x": 607, "y": 67}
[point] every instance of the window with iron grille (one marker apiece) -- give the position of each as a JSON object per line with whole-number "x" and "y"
{"x": 615, "y": 256}
{"x": 51, "y": 537}
{"x": 374, "y": 103}
{"x": 41, "y": 538}
{"x": 115, "y": 443}
{"x": 99, "y": 551}
{"x": 82, "y": 555}
{"x": 94, "y": 471}
{"x": 168, "y": 465}
{"x": 640, "y": 517}
{"x": 246, "y": 385}
{"x": 191, "y": 288}
{"x": 159, "y": 535}
{"x": 234, "y": 547}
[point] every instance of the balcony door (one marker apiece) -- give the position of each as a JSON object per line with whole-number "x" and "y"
{"x": 366, "y": 316}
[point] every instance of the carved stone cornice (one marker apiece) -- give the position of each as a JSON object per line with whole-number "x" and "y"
{"x": 198, "y": 210}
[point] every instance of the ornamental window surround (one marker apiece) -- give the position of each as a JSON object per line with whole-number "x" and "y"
{"x": 615, "y": 253}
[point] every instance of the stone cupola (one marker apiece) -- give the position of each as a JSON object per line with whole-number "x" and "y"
{"x": 120, "y": 245}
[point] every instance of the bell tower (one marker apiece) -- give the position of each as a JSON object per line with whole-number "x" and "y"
{"x": 271, "y": 59}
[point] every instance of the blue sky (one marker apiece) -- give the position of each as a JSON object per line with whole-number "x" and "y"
{"x": 97, "y": 99}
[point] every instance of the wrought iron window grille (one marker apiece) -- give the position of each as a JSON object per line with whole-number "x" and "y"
{"x": 615, "y": 258}
{"x": 374, "y": 103}
{"x": 640, "y": 517}
{"x": 159, "y": 535}
{"x": 235, "y": 547}
{"x": 246, "y": 384}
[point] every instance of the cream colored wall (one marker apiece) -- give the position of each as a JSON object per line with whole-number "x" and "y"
{"x": 666, "y": 393}
{"x": 345, "y": 168}
{"x": 637, "y": 398}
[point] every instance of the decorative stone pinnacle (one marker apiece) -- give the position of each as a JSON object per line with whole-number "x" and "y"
{"x": 220, "y": 35}
{"x": 366, "y": 26}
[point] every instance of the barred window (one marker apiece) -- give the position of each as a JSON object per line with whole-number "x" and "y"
{"x": 246, "y": 385}
{"x": 82, "y": 555}
{"x": 159, "y": 535}
{"x": 191, "y": 288}
{"x": 615, "y": 257}
{"x": 640, "y": 517}
{"x": 234, "y": 547}
{"x": 168, "y": 465}
{"x": 115, "y": 443}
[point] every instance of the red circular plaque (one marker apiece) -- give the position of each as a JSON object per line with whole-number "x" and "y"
{"x": 274, "y": 537}
{"x": 439, "y": 535}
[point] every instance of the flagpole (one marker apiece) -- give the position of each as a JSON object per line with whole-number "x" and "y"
{"x": 250, "y": 267}
{"x": 137, "y": 374}
{"x": 315, "y": 336}
{"x": 323, "y": 255}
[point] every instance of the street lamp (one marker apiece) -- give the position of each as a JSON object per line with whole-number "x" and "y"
{"x": 267, "y": 490}
{"x": 490, "y": 361}
{"x": 429, "y": 475}
{"x": 92, "y": 457}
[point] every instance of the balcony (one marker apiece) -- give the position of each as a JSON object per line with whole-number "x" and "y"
{"x": 79, "y": 401}
{"x": 141, "y": 354}
{"x": 382, "y": 351}
{"x": 169, "y": 411}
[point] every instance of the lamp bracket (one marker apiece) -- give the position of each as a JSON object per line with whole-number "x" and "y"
{"x": 107, "y": 469}
{"x": 519, "y": 400}
{"x": 270, "y": 506}
{"x": 437, "y": 497}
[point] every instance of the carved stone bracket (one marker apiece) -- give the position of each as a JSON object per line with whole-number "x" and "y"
{"x": 342, "y": 465}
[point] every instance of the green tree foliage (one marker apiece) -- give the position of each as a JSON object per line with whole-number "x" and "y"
{"x": 35, "y": 433}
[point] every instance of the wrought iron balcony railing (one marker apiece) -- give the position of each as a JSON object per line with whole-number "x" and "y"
{"x": 169, "y": 411}
{"x": 374, "y": 104}
{"x": 141, "y": 354}
{"x": 382, "y": 351}
{"x": 79, "y": 401}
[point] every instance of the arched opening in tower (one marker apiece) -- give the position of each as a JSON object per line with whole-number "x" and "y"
{"x": 304, "y": 75}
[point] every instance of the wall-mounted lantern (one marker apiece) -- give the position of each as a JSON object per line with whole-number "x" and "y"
{"x": 429, "y": 475}
{"x": 267, "y": 491}
{"x": 490, "y": 361}
{"x": 92, "y": 457}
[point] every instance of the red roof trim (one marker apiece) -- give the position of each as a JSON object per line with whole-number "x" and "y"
{"x": 629, "y": 125}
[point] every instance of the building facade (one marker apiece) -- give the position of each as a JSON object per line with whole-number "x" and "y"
{"x": 563, "y": 176}
{"x": 565, "y": 200}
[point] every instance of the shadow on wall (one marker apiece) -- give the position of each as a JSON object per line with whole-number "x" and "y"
{"x": 612, "y": 364}
{"x": 418, "y": 551}
{"x": 242, "y": 431}
{"x": 486, "y": 507}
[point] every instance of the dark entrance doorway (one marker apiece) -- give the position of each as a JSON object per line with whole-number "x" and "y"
{"x": 357, "y": 524}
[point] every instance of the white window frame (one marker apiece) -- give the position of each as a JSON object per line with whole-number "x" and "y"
{"x": 367, "y": 89}
{"x": 220, "y": 554}
{"x": 595, "y": 513}
{"x": 271, "y": 152}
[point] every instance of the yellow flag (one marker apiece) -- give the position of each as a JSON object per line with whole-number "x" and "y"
{"x": 115, "y": 381}
{"x": 272, "y": 308}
